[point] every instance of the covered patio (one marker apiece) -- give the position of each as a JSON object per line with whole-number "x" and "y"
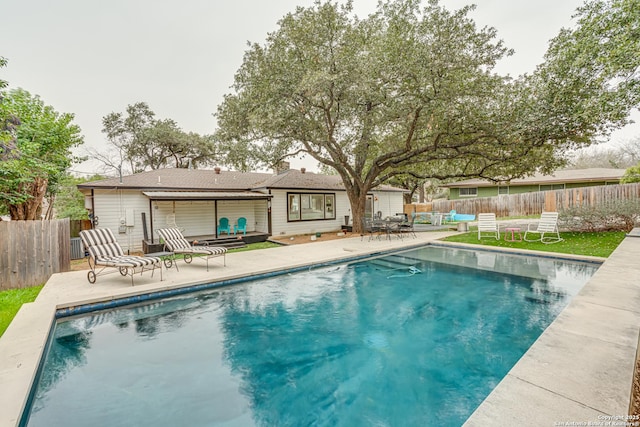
{"x": 198, "y": 213}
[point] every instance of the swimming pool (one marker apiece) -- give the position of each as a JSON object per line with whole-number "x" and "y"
{"x": 417, "y": 338}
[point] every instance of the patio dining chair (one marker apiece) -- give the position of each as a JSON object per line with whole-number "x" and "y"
{"x": 548, "y": 225}
{"x": 407, "y": 226}
{"x": 105, "y": 251}
{"x": 370, "y": 226}
{"x": 175, "y": 243}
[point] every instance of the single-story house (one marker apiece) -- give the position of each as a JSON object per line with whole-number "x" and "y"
{"x": 559, "y": 180}
{"x": 289, "y": 203}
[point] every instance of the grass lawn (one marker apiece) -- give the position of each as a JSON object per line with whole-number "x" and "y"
{"x": 253, "y": 246}
{"x": 600, "y": 244}
{"x": 11, "y": 301}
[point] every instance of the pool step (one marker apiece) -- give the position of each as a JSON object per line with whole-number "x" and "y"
{"x": 394, "y": 262}
{"x": 399, "y": 259}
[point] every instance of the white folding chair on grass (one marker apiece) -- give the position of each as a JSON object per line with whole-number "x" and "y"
{"x": 548, "y": 225}
{"x": 175, "y": 243}
{"x": 487, "y": 224}
{"x": 105, "y": 251}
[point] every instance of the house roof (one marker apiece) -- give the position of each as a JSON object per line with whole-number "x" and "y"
{"x": 559, "y": 176}
{"x": 177, "y": 179}
{"x": 183, "y": 179}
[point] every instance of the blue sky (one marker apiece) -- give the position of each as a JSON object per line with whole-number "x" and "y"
{"x": 91, "y": 58}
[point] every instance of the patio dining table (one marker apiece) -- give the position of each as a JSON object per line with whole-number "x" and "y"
{"x": 388, "y": 225}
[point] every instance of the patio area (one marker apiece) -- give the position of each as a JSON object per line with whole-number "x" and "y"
{"x": 580, "y": 369}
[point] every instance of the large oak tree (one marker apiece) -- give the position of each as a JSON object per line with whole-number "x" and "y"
{"x": 408, "y": 90}
{"x": 143, "y": 142}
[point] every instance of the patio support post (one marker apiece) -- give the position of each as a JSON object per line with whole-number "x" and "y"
{"x": 269, "y": 229}
{"x": 215, "y": 214}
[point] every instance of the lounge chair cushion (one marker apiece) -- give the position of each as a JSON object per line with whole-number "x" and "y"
{"x": 175, "y": 242}
{"x": 131, "y": 261}
{"x": 101, "y": 242}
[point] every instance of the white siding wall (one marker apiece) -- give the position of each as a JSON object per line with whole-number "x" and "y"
{"x": 111, "y": 205}
{"x": 261, "y": 217}
{"x": 197, "y": 218}
{"x": 388, "y": 203}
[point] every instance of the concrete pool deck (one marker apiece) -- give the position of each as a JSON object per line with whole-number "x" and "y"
{"x": 579, "y": 369}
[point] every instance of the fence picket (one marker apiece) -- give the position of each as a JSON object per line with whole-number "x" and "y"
{"x": 532, "y": 203}
{"x": 31, "y": 251}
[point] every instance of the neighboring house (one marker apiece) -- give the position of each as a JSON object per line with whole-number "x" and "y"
{"x": 558, "y": 181}
{"x": 289, "y": 203}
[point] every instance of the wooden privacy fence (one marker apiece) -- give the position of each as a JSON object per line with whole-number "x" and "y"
{"x": 532, "y": 203}
{"x": 31, "y": 251}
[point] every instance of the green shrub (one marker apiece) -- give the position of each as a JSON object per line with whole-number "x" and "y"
{"x": 619, "y": 215}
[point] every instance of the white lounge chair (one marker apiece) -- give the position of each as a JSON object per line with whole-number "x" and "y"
{"x": 175, "y": 243}
{"x": 487, "y": 224}
{"x": 105, "y": 251}
{"x": 548, "y": 224}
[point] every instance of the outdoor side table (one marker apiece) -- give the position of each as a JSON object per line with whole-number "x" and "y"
{"x": 515, "y": 231}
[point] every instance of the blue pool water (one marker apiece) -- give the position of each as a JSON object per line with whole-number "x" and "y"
{"x": 418, "y": 338}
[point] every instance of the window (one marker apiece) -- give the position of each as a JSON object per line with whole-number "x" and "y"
{"x": 503, "y": 190}
{"x": 552, "y": 187}
{"x": 469, "y": 192}
{"x": 293, "y": 207}
{"x": 310, "y": 206}
{"x": 329, "y": 203}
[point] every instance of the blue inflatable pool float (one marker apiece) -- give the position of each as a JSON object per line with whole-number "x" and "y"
{"x": 464, "y": 217}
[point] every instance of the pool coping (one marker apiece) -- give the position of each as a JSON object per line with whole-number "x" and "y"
{"x": 22, "y": 344}
{"x": 580, "y": 370}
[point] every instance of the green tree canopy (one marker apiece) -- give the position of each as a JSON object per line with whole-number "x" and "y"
{"x": 41, "y": 141}
{"x": 3, "y": 63}
{"x": 68, "y": 202}
{"x": 631, "y": 175}
{"x": 408, "y": 90}
{"x": 143, "y": 142}
{"x": 589, "y": 82}
{"x": 7, "y": 120}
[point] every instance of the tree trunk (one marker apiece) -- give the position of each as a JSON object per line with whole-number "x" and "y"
{"x": 358, "y": 203}
{"x": 31, "y": 208}
{"x": 48, "y": 215}
{"x": 408, "y": 197}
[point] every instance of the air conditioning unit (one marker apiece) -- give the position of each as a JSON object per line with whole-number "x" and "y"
{"x": 77, "y": 251}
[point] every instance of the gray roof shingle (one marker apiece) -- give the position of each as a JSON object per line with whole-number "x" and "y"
{"x": 560, "y": 176}
{"x": 183, "y": 179}
{"x": 206, "y": 179}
